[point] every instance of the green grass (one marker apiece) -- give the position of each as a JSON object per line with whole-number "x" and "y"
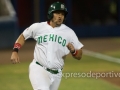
{"x": 113, "y": 53}
{"x": 86, "y": 84}
{"x": 15, "y": 77}
{"x": 86, "y": 65}
{"x": 116, "y": 39}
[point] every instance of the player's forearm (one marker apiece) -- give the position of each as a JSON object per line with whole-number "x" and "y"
{"x": 78, "y": 55}
{"x": 20, "y": 40}
{"x": 19, "y": 43}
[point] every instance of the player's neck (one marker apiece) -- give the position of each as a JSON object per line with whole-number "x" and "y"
{"x": 52, "y": 24}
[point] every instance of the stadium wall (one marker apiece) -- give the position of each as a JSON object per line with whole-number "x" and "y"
{"x": 8, "y": 33}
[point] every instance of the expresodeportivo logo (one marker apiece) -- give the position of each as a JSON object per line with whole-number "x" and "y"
{"x": 53, "y": 38}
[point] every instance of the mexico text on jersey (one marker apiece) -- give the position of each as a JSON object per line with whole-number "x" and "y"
{"x": 52, "y": 38}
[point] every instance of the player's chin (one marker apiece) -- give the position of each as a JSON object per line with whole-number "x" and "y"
{"x": 59, "y": 23}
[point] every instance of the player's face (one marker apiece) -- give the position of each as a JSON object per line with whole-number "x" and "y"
{"x": 58, "y": 17}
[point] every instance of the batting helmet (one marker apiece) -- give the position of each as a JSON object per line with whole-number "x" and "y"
{"x": 54, "y": 7}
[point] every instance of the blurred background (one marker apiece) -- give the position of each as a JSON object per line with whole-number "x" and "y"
{"x": 88, "y": 18}
{"x": 97, "y": 25}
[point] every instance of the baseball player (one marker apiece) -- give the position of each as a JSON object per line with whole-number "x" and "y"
{"x": 54, "y": 40}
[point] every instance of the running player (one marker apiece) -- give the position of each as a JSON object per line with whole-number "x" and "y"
{"x": 54, "y": 40}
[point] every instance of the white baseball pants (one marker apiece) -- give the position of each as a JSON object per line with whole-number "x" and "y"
{"x": 41, "y": 79}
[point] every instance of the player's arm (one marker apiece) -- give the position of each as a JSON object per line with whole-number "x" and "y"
{"x": 77, "y": 54}
{"x": 18, "y": 44}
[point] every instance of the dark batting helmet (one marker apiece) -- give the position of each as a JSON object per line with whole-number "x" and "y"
{"x": 54, "y": 7}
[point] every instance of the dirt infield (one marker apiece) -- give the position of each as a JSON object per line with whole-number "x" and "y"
{"x": 113, "y": 80}
{"x": 101, "y": 44}
{"x": 93, "y": 44}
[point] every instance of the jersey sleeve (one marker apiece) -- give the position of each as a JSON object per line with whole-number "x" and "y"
{"x": 75, "y": 41}
{"x": 28, "y": 32}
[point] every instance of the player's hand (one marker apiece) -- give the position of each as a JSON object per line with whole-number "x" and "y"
{"x": 70, "y": 47}
{"x": 15, "y": 58}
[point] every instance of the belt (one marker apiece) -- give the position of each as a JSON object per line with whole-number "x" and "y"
{"x": 50, "y": 70}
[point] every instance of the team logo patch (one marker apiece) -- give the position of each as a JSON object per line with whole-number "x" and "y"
{"x": 62, "y": 6}
{"x": 53, "y": 6}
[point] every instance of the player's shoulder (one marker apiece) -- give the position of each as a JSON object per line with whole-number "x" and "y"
{"x": 37, "y": 24}
{"x": 65, "y": 27}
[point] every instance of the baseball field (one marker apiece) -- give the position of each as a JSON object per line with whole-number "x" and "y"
{"x": 99, "y": 68}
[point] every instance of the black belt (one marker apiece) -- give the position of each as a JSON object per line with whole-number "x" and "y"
{"x": 50, "y": 70}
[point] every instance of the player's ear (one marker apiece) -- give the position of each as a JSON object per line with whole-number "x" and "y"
{"x": 50, "y": 16}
